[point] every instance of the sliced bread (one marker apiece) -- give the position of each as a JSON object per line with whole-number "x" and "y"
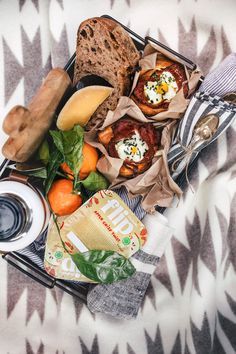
{"x": 106, "y": 50}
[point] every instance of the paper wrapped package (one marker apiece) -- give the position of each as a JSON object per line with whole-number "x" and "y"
{"x": 104, "y": 222}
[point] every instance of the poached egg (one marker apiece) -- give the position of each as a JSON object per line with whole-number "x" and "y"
{"x": 132, "y": 148}
{"x": 163, "y": 89}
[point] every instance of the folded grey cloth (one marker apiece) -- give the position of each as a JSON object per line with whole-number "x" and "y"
{"x": 222, "y": 80}
{"x": 123, "y": 299}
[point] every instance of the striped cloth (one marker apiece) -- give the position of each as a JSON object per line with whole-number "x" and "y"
{"x": 201, "y": 105}
{"x": 209, "y": 100}
{"x": 222, "y": 80}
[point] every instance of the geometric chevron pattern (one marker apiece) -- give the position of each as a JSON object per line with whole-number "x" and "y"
{"x": 190, "y": 304}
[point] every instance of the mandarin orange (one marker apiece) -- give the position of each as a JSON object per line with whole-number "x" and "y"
{"x": 62, "y": 199}
{"x": 89, "y": 163}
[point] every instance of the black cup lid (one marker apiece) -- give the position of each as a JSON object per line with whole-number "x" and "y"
{"x": 12, "y": 217}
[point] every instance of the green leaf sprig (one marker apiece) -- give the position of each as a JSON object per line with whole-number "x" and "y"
{"x": 56, "y": 158}
{"x": 67, "y": 146}
{"x": 70, "y": 145}
{"x": 94, "y": 182}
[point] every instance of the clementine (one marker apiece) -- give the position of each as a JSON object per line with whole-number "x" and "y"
{"x": 90, "y": 159}
{"x": 65, "y": 168}
{"x": 61, "y": 197}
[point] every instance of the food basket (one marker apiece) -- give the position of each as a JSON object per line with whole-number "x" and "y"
{"x": 29, "y": 264}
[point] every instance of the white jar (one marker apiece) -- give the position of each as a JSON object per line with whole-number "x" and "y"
{"x": 24, "y": 213}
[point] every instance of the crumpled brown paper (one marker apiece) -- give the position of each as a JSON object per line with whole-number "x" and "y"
{"x": 154, "y": 185}
{"x": 178, "y": 103}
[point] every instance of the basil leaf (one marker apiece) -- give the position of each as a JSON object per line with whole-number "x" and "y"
{"x": 56, "y": 159}
{"x": 103, "y": 266}
{"x": 95, "y": 182}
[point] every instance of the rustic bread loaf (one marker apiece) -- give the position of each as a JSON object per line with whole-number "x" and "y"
{"x": 105, "y": 49}
{"x": 27, "y": 127}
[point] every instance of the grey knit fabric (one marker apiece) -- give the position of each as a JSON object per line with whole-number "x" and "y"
{"x": 121, "y": 299}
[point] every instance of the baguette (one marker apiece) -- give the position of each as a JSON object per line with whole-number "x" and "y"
{"x": 27, "y": 127}
{"x": 106, "y": 50}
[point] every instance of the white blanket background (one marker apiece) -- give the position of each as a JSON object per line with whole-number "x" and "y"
{"x": 190, "y": 306}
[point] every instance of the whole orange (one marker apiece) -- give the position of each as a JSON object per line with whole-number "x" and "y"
{"x": 90, "y": 159}
{"x": 89, "y": 163}
{"x": 61, "y": 197}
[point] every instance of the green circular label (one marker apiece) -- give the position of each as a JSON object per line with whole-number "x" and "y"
{"x": 126, "y": 241}
{"x": 58, "y": 254}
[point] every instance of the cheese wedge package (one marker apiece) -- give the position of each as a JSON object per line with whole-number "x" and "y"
{"x": 81, "y": 106}
{"x": 104, "y": 222}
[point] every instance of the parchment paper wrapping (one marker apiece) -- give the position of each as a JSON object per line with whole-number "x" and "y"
{"x": 155, "y": 185}
{"x": 179, "y": 103}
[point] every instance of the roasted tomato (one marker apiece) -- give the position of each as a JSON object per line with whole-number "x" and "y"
{"x": 134, "y": 142}
{"x": 156, "y": 88}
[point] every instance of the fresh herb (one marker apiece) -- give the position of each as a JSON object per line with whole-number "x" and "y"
{"x": 103, "y": 266}
{"x": 95, "y": 182}
{"x": 70, "y": 144}
{"x": 56, "y": 158}
{"x": 57, "y": 140}
{"x": 41, "y": 173}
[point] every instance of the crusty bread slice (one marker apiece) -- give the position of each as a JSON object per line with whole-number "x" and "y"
{"x": 105, "y": 49}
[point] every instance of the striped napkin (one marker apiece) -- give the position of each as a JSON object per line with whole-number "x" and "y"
{"x": 222, "y": 80}
{"x": 201, "y": 105}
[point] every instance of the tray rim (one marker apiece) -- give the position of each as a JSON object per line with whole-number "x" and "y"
{"x": 26, "y": 266}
